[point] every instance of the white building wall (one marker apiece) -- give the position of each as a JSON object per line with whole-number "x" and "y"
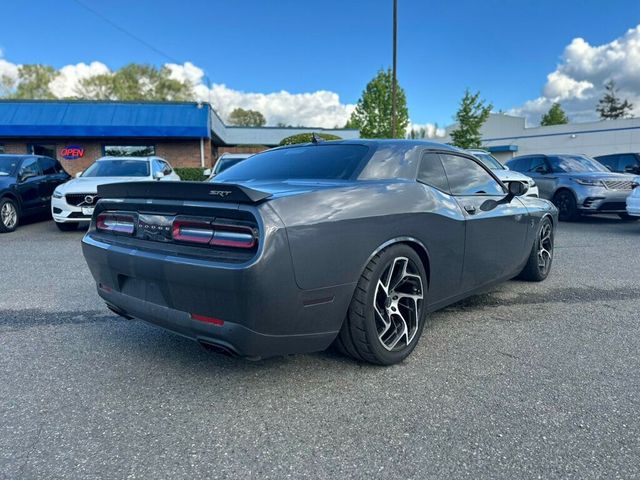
{"x": 592, "y": 138}
{"x": 231, "y": 135}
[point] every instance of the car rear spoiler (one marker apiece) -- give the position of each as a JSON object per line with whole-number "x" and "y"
{"x": 202, "y": 191}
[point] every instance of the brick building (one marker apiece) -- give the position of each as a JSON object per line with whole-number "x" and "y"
{"x": 79, "y": 132}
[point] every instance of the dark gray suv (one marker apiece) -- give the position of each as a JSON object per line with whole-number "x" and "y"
{"x": 621, "y": 162}
{"x": 577, "y": 184}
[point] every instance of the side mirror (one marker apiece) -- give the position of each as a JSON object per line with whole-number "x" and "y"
{"x": 207, "y": 172}
{"x": 158, "y": 175}
{"x": 24, "y": 176}
{"x": 630, "y": 169}
{"x": 541, "y": 169}
{"x": 517, "y": 189}
{"x": 78, "y": 175}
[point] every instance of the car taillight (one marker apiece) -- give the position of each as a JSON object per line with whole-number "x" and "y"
{"x": 116, "y": 223}
{"x": 217, "y": 234}
{"x": 238, "y": 236}
{"x": 192, "y": 231}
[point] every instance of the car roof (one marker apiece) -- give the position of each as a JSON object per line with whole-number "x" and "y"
{"x": 408, "y": 143}
{"x": 23, "y": 155}
{"x": 617, "y": 153}
{"x": 235, "y": 155}
{"x": 142, "y": 159}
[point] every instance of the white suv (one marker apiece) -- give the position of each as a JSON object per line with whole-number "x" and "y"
{"x": 503, "y": 173}
{"x": 72, "y": 203}
{"x": 633, "y": 202}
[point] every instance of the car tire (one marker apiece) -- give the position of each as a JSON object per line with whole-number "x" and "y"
{"x": 9, "y": 215}
{"x": 387, "y": 314}
{"x": 625, "y": 217}
{"x": 540, "y": 259}
{"x": 67, "y": 227}
{"x": 567, "y": 206}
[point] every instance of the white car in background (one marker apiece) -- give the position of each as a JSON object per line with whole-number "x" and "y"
{"x": 502, "y": 172}
{"x": 73, "y": 202}
{"x": 225, "y": 161}
{"x": 633, "y": 200}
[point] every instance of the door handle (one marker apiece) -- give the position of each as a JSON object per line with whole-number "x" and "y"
{"x": 470, "y": 209}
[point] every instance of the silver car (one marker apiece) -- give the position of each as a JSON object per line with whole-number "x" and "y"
{"x": 576, "y": 184}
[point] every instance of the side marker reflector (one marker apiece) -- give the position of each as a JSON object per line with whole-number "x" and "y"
{"x": 205, "y": 319}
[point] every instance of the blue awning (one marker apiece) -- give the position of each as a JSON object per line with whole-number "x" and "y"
{"x": 103, "y": 119}
{"x": 502, "y": 148}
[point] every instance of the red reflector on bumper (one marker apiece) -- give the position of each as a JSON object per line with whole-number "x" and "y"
{"x": 202, "y": 318}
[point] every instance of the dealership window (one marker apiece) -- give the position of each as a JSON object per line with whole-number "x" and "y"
{"x": 45, "y": 150}
{"x": 1, "y": 148}
{"x": 129, "y": 150}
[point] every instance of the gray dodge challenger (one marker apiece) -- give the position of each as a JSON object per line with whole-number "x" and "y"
{"x": 344, "y": 243}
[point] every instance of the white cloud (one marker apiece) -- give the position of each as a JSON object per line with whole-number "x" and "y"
{"x": 578, "y": 81}
{"x": 66, "y": 83}
{"x": 431, "y": 130}
{"x": 315, "y": 109}
{"x": 8, "y": 70}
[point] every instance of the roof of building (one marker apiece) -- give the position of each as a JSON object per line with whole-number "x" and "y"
{"x": 91, "y": 119}
{"x": 24, "y": 118}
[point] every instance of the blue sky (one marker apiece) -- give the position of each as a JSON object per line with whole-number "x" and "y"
{"x": 505, "y": 49}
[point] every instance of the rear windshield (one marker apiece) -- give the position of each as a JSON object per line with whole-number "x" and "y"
{"x": 8, "y": 165}
{"x": 224, "y": 163}
{"x": 118, "y": 168}
{"x": 318, "y": 162}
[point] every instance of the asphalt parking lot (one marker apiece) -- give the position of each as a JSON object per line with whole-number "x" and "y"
{"x": 527, "y": 381}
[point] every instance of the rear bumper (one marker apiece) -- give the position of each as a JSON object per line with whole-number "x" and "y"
{"x": 264, "y": 312}
{"x": 229, "y": 337}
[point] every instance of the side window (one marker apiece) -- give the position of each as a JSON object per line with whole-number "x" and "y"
{"x": 627, "y": 163}
{"x": 156, "y": 167}
{"x": 432, "y": 172}
{"x": 610, "y": 161}
{"x": 47, "y": 165}
{"x": 536, "y": 162}
{"x": 467, "y": 177}
{"x": 29, "y": 168}
{"x": 519, "y": 164}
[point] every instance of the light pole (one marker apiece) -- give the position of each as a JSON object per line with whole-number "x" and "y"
{"x": 393, "y": 84}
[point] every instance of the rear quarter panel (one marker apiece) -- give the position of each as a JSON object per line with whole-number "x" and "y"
{"x": 334, "y": 233}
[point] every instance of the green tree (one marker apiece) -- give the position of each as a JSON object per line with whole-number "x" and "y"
{"x": 306, "y": 138}
{"x": 470, "y": 117}
{"x": 372, "y": 115}
{"x": 135, "y": 82}
{"x": 555, "y": 116}
{"x": 7, "y": 84}
{"x": 33, "y": 82}
{"x": 610, "y": 106}
{"x": 246, "y": 118}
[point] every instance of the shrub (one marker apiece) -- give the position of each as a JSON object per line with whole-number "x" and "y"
{"x": 191, "y": 174}
{"x": 306, "y": 138}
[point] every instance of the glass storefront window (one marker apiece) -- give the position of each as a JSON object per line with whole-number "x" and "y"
{"x": 129, "y": 150}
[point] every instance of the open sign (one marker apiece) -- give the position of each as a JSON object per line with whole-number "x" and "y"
{"x": 72, "y": 152}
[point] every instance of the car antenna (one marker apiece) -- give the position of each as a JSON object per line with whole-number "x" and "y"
{"x": 315, "y": 138}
